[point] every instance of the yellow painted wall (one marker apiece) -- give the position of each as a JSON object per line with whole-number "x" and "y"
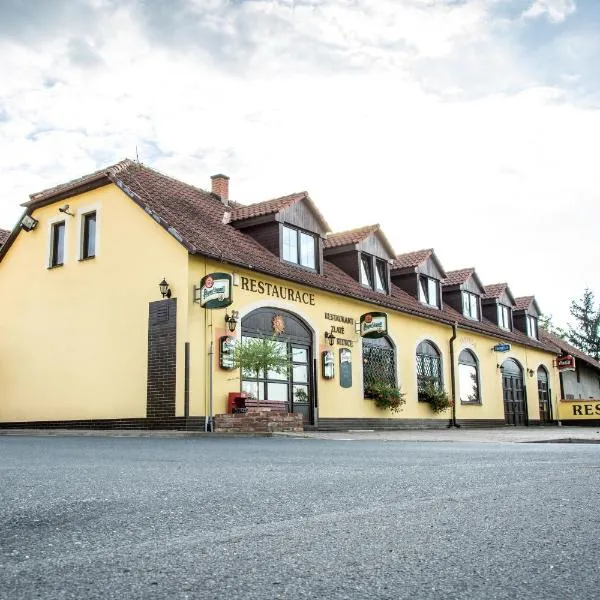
{"x": 73, "y": 339}
{"x": 406, "y": 332}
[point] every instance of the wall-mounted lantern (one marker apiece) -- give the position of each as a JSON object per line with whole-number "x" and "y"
{"x": 329, "y": 337}
{"x": 232, "y": 320}
{"x": 165, "y": 290}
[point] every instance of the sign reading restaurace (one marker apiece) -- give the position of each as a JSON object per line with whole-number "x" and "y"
{"x": 277, "y": 291}
{"x": 373, "y": 325}
{"x": 215, "y": 290}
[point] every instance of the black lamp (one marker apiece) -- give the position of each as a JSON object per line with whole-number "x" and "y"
{"x": 165, "y": 290}
{"x": 232, "y": 320}
{"x": 329, "y": 337}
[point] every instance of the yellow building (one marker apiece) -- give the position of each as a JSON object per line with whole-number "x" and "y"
{"x": 89, "y": 339}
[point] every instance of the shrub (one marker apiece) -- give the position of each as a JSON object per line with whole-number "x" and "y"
{"x": 386, "y": 396}
{"x": 436, "y": 396}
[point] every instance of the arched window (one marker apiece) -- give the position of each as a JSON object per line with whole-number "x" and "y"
{"x": 429, "y": 366}
{"x": 379, "y": 362}
{"x": 468, "y": 378}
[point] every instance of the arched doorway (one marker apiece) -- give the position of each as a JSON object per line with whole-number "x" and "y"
{"x": 295, "y": 388}
{"x": 544, "y": 395}
{"x": 513, "y": 390}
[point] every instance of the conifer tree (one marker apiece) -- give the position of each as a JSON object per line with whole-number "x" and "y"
{"x": 585, "y": 334}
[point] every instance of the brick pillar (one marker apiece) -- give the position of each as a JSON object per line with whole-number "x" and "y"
{"x": 162, "y": 361}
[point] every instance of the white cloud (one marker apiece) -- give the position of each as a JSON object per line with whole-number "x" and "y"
{"x": 555, "y": 11}
{"x": 329, "y": 97}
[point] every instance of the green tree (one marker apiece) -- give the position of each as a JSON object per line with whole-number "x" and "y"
{"x": 260, "y": 355}
{"x": 547, "y": 322}
{"x": 585, "y": 333}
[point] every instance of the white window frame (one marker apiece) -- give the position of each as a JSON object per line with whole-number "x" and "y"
{"x": 501, "y": 309}
{"x": 51, "y": 222}
{"x": 467, "y": 301}
{"x": 425, "y": 294}
{"x": 79, "y": 215}
{"x": 532, "y": 331}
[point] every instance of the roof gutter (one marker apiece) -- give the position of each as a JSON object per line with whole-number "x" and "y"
{"x": 453, "y": 422}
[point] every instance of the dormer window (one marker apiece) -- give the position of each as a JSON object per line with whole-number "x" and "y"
{"x": 366, "y": 274}
{"x": 504, "y": 317}
{"x": 373, "y": 273}
{"x": 429, "y": 291}
{"x": 532, "y": 327}
{"x": 380, "y": 276}
{"x": 298, "y": 247}
{"x": 470, "y": 303}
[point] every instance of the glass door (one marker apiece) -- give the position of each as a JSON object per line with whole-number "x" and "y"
{"x": 300, "y": 381}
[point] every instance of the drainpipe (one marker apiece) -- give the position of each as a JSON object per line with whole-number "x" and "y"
{"x": 453, "y": 422}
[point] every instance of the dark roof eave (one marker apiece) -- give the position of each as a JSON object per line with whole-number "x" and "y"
{"x": 44, "y": 199}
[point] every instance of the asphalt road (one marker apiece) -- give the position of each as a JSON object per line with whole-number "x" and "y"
{"x": 297, "y": 518}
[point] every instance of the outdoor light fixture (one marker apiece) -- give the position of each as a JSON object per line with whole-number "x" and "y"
{"x": 65, "y": 209}
{"x": 329, "y": 337}
{"x": 28, "y": 223}
{"x": 232, "y": 320}
{"x": 165, "y": 290}
{"x": 531, "y": 372}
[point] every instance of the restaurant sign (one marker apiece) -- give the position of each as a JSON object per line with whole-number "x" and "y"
{"x": 373, "y": 325}
{"x": 565, "y": 363}
{"x": 215, "y": 290}
{"x": 579, "y": 410}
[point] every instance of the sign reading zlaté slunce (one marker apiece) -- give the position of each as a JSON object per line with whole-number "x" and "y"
{"x": 215, "y": 290}
{"x": 373, "y": 325}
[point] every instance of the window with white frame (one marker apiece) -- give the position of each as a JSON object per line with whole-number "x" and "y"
{"x": 373, "y": 272}
{"x": 468, "y": 378}
{"x": 88, "y": 235}
{"x": 429, "y": 366}
{"x": 429, "y": 291}
{"x": 532, "y": 327}
{"x": 470, "y": 304}
{"x": 298, "y": 247}
{"x": 57, "y": 244}
{"x": 504, "y": 316}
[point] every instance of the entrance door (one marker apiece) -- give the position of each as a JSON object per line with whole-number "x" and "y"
{"x": 300, "y": 380}
{"x": 515, "y": 410}
{"x": 294, "y": 388}
{"x": 544, "y": 396}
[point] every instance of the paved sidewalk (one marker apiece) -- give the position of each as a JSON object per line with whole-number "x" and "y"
{"x": 513, "y": 435}
{"x": 491, "y": 435}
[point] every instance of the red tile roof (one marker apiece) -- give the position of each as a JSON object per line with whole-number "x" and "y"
{"x": 495, "y": 290}
{"x": 267, "y": 207}
{"x": 412, "y": 259}
{"x": 523, "y": 303}
{"x": 195, "y": 218}
{"x": 458, "y": 277}
{"x": 3, "y": 236}
{"x": 352, "y": 236}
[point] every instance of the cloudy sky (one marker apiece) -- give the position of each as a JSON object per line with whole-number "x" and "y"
{"x": 470, "y": 126}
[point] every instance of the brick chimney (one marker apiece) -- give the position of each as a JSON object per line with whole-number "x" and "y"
{"x": 220, "y": 187}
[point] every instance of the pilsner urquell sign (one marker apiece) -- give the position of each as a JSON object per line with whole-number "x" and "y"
{"x": 373, "y": 325}
{"x": 215, "y": 290}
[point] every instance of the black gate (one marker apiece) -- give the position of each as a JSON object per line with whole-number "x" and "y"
{"x": 513, "y": 390}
